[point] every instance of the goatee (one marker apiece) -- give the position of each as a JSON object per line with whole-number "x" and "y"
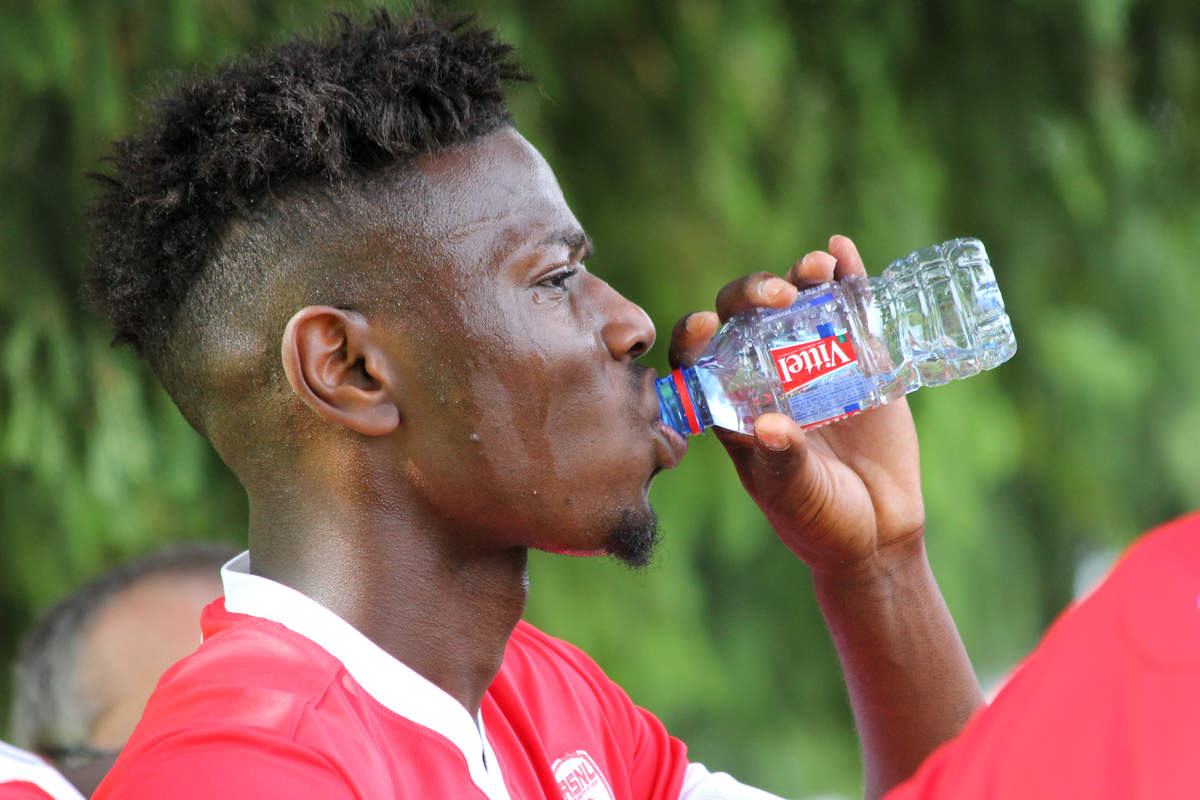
{"x": 633, "y": 537}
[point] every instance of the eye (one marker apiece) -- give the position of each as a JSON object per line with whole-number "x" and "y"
{"x": 558, "y": 280}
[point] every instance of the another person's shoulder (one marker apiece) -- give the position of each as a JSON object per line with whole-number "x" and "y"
{"x": 1173, "y": 548}
{"x": 1153, "y": 599}
{"x": 1116, "y": 681}
{"x": 23, "y": 790}
{"x": 24, "y": 776}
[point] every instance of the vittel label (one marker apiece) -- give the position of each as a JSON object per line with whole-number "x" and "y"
{"x": 799, "y": 364}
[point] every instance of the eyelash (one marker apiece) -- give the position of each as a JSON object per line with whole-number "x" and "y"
{"x": 559, "y": 279}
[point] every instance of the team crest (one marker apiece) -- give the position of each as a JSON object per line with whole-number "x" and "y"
{"x": 579, "y": 778}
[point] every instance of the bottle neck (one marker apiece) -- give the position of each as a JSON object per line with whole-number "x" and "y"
{"x": 681, "y": 402}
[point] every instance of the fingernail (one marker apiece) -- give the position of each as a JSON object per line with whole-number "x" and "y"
{"x": 770, "y": 287}
{"x": 773, "y": 440}
{"x": 692, "y": 323}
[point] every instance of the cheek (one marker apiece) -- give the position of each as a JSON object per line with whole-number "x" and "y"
{"x": 531, "y": 378}
{"x": 532, "y": 417}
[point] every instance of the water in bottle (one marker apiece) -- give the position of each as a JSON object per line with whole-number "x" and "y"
{"x": 848, "y": 346}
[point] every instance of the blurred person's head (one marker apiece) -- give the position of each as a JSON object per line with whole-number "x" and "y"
{"x": 86, "y": 670}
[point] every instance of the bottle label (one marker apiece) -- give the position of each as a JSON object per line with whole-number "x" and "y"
{"x": 821, "y": 378}
{"x": 801, "y": 364}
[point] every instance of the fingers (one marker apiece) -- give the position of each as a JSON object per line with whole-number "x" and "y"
{"x": 820, "y": 266}
{"x": 761, "y": 289}
{"x": 690, "y": 337}
{"x": 849, "y": 262}
{"x": 814, "y": 268}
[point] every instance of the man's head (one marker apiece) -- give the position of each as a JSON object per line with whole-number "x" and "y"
{"x": 363, "y": 207}
{"x": 244, "y": 194}
{"x": 85, "y": 671}
{"x": 517, "y": 403}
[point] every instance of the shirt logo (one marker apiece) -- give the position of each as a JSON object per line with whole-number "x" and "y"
{"x": 579, "y": 778}
{"x": 799, "y": 364}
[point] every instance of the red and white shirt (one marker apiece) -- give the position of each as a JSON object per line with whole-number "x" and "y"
{"x": 25, "y": 776}
{"x": 286, "y": 699}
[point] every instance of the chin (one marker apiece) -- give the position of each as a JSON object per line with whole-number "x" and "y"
{"x": 630, "y": 536}
{"x": 633, "y": 537}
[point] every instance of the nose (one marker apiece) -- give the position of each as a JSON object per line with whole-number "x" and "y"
{"x": 627, "y": 330}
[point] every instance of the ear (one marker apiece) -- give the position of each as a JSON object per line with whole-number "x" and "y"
{"x": 335, "y": 364}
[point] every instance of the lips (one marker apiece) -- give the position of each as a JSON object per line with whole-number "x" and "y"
{"x": 674, "y": 445}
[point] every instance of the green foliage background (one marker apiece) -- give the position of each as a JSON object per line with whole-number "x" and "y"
{"x": 699, "y": 140}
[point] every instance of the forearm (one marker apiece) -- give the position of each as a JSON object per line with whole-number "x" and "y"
{"x": 910, "y": 682}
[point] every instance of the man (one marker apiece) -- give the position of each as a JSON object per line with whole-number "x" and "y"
{"x": 365, "y": 288}
{"x": 85, "y": 672}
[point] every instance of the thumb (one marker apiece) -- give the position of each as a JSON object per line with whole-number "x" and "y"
{"x": 780, "y": 449}
{"x": 790, "y": 485}
{"x": 772, "y": 460}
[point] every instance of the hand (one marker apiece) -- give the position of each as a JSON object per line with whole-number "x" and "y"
{"x": 841, "y": 497}
{"x": 846, "y": 498}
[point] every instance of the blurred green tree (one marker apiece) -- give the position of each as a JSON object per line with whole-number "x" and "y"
{"x": 698, "y": 140}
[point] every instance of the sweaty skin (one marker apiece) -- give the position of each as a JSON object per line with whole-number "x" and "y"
{"x": 509, "y": 413}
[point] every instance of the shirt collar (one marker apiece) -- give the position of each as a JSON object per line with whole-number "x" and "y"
{"x": 393, "y": 683}
{"x": 18, "y": 765}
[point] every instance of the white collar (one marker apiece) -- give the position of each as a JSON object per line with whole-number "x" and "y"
{"x": 391, "y": 682}
{"x": 18, "y": 765}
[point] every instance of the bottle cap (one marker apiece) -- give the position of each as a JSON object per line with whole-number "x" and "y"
{"x": 675, "y": 403}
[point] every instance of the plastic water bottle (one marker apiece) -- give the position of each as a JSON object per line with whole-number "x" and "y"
{"x": 848, "y": 346}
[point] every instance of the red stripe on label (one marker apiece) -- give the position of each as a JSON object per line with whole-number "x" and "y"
{"x": 686, "y": 398}
{"x": 838, "y": 418}
{"x": 801, "y": 364}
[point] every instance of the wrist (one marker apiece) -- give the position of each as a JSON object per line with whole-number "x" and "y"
{"x": 897, "y": 564}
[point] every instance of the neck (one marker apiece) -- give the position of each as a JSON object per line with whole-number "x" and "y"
{"x": 443, "y": 610}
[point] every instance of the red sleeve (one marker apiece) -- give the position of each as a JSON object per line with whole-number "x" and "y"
{"x": 226, "y": 765}
{"x": 22, "y": 790}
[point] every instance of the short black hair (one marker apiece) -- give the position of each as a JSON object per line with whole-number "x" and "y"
{"x": 374, "y": 93}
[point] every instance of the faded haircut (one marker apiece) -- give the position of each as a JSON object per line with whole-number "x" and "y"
{"x": 193, "y": 207}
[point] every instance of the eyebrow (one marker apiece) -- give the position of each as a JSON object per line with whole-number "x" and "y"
{"x": 575, "y": 240}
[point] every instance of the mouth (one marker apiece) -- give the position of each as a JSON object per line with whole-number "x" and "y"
{"x": 671, "y": 446}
